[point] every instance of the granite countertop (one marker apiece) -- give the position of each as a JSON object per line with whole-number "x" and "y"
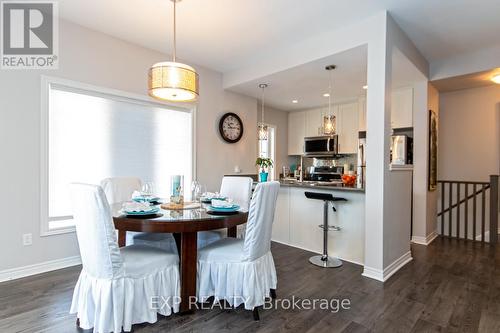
{"x": 313, "y": 185}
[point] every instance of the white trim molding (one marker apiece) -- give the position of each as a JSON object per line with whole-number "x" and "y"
{"x": 384, "y": 275}
{"x": 425, "y": 240}
{"x": 43, "y": 267}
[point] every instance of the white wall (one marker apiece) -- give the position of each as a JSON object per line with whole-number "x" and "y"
{"x": 469, "y": 134}
{"x": 469, "y": 146}
{"x": 91, "y": 57}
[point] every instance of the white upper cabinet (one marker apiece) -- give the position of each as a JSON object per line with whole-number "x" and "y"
{"x": 314, "y": 119}
{"x": 348, "y": 127}
{"x": 296, "y": 132}
{"x": 402, "y": 108}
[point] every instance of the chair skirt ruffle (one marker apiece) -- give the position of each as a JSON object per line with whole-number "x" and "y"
{"x": 246, "y": 282}
{"x": 110, "y": 305}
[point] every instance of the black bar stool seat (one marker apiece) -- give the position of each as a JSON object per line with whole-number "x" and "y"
{"x": 324, "y": 260}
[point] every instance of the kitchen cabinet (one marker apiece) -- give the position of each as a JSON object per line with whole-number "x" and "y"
{"x": 296, "y": 132}
{"x": 348, "y": 127}
{"x": 307, "y": 123}
{"x": 314, "y": 120}
{"x": 402, "y": 108}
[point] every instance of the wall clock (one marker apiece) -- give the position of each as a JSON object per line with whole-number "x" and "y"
{"x": 231, "y": 127}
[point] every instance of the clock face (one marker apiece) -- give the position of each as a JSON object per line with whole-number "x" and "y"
{"x": 231, "y": 127}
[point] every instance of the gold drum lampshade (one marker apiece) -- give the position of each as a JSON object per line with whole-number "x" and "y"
{"x": 173, "y": 81}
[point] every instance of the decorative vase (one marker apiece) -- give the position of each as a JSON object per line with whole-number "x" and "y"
{"x": 263, "y": 177}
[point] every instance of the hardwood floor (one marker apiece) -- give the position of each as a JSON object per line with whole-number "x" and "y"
{"x": 450, "y": 286}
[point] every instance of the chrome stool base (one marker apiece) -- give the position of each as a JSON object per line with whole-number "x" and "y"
{"x": 330, "y": 262}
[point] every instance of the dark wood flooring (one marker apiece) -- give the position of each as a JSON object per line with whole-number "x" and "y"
{"x": 450, "y": 286}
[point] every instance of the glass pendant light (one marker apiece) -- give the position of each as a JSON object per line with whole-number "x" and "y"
{"x": 171, "y": 80}
{"x": 329, "y": 121}
{"x": 261, "y": 126}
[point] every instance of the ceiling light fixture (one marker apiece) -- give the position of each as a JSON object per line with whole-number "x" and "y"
{"x": 329, "y": 120}
{"x": 295, "y": 101}
{"x": 496, "y": 79}
{"x": 365, "y": 87}
{"x": 326, "y": 95}
{"x": 261, "y": 126}
{"x": 171, "y": 80}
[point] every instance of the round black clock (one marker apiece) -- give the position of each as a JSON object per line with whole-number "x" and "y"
{"x": 231, "y": 127}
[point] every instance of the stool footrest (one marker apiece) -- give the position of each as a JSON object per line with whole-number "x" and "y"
{"x": 331, "y": 227}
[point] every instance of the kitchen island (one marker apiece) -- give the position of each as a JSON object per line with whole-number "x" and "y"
{"x": 297, "y": 219}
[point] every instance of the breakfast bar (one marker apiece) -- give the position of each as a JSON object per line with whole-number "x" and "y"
{"x": 297, "y": 219}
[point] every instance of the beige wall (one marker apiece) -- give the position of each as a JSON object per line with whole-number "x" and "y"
{"x": 95, "y": 58}
{"x": 469, "y": 136}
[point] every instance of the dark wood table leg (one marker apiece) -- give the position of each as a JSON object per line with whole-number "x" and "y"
{"x": 177, "y": 238}
{"x": 122, "y": 238}
{"x": 232, "y": 232}
{"x": 189, "y": 258}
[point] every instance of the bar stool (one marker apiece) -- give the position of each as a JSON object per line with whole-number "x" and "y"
{"x": 324, "y": 260}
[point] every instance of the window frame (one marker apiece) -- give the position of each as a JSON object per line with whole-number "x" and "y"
{"x": 47, "y": 83}
{"x": 272, "y": 147}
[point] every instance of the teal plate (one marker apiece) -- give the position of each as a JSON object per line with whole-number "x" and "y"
{"x": 224, "y": 209}
{"x": 142, "y": 199}
{"x": 148, "y": 212}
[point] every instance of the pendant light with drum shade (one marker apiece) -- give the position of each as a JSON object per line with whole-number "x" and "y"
{"x": 329, "y": 121}
{"x": 171, "y": 80}
{"x": 261, "y": 126}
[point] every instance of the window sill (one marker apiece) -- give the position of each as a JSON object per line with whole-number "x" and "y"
{"x": 58, "y": 231}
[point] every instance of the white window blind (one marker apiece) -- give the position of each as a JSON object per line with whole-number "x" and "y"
{"x": 92, "y": 136}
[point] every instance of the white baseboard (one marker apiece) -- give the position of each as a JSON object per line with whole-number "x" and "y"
{"x": 43, "y": 267}
{"x": 389, "y": 271}
{"x": 425, "y": 240}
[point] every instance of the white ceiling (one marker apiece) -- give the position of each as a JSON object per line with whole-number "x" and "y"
{"x": 227, "y": 34}
{"x": 474, "y": 80}
{"x": 307, "y": 83}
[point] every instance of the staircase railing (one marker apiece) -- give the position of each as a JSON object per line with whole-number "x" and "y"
{"x": 455, "y": 201}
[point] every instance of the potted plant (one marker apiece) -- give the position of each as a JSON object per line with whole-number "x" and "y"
{"x": 263, "y": 164}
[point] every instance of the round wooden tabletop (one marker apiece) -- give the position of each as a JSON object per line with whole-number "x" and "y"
{"x": 177, "y": 221}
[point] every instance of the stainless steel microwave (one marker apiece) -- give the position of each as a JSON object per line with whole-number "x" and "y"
{"x": 321, "y": 146}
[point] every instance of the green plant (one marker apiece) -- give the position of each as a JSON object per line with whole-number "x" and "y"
{"x": 264, "y": 163}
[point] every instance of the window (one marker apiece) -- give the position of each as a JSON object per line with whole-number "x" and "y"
{"x": 92, "y": 134}
{"x": 267, "y": 148}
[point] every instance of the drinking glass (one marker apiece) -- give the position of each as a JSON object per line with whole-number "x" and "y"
{"x": 147, "y": 189}
{"x": 195, "y": 191}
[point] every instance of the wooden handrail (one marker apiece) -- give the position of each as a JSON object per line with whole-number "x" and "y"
{"x": 465, "y": 199}
{"x": 463, "y": 182}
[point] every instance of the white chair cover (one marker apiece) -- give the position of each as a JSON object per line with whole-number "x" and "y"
{"x": 242, "y": 271}
{"x": 115, "y": 287}
{"x": 119, "y": 189}
{"x": 240, "y": 190}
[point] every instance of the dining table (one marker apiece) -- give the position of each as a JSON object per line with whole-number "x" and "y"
{"x": 184, "y": 225}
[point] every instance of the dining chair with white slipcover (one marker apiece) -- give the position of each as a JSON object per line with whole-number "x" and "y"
{"x": 242, "y": 271}
{"x": 116, "y": 286}
{"x": 238, "y": 189}
{"x": 120, "y": 189}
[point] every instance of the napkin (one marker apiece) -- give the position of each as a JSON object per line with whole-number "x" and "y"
{"x": 136, "y": 194}
{"x": 222, "y": 203}
{"x": 133, "y": 206}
